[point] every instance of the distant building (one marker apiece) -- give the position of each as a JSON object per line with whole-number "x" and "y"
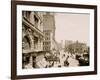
{"x": 67, "y": 42}
{"x": 63, "y": 44}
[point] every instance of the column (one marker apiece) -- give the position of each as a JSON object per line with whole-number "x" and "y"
{"x": 32, "y": 43}
{"x": 31, "y": 61}
{"x": 39, "y": 45}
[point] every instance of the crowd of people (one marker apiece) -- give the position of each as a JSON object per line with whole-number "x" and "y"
{"x": 60, "y": 59}
{"x": 64, "y": 59}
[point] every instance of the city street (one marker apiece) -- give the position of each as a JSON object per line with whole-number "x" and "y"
{"x": 63, "y": 57}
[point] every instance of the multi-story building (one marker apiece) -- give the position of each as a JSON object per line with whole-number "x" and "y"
{"x": 38, "y": 35}
{"x": 32, "y": 36}
{"x": 49, "y": 31}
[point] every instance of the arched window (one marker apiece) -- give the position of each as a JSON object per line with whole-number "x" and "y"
{"x": 25, "y": 43}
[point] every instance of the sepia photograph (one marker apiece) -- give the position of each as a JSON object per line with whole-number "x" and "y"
{"x": 51, "y": 39}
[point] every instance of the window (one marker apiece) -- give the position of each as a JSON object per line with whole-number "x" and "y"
{"x": 27, "y": 14}
{"x": 35, "y": 21}
{"x": 35, "y": 42}
{"x": 25, "y": 43}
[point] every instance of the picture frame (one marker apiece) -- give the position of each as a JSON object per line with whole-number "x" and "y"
{"x": 18, "y": 10}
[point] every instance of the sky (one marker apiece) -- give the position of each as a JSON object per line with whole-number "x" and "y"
{"x": 72, "y": 26}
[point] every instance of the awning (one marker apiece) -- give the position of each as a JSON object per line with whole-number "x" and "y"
{"x": 32, "y": 51}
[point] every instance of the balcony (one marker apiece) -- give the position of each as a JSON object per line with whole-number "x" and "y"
{"x": 29, "y": 24}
